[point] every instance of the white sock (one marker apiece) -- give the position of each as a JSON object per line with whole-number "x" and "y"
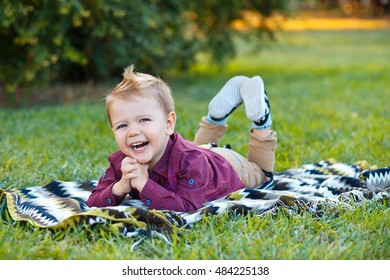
{"x": 252, "y": 92}
{"x": 227, "y": 99}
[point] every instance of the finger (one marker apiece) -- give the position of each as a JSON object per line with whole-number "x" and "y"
{"x": 129, "y": 167}
{"x": 130, "y": 176}
{"x": 143, "y": 166}
{"x": 129, "y": 160}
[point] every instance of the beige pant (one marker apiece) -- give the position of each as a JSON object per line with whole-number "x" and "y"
{"x": 261, "y": 153}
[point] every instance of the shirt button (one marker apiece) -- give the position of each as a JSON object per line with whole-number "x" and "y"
{"x": 191, "y": 181}
{"x": 148, "y": 202}
{"x": 109, "y": 201}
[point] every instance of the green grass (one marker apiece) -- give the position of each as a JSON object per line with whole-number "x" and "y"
{"x": 329, "y": 95}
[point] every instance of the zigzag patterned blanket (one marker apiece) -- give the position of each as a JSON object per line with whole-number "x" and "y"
{"x": 311, "y": 187}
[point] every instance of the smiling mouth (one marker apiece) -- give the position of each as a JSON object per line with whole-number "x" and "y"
{"x": 139, "y": 146}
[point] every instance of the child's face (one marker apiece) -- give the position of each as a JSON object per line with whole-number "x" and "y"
{"x": 141, "y": 128}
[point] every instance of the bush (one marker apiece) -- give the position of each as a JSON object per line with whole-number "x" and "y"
{"x": 80, "y": 40}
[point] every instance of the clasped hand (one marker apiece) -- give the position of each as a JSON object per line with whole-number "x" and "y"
{"x": 134, "y": 175}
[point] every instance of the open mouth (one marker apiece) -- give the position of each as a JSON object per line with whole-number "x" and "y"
{"x": 139, "y": 146}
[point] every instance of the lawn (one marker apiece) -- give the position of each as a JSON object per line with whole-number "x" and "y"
{"x": 329, "y": 93}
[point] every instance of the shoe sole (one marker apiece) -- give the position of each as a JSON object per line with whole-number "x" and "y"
{"x": 227, "y": 98}
{"x": 252, "y": 94}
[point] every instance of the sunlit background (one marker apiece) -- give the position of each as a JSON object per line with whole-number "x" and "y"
{"x": 74, "y": 51}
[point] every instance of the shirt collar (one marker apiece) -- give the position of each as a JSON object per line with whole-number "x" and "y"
{"x": 161, "y": 166}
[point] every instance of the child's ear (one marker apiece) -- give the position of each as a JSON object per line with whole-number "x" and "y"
{"x": 171, "y": 122}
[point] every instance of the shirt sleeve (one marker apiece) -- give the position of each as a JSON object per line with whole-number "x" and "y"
{"x": 102, "y": 195}
{"x": 189, "y": 192}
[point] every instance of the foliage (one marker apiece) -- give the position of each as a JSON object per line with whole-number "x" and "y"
{"x": 83, "y": 40}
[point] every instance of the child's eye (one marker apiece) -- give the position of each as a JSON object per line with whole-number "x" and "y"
{"x": 121, "y": 126}
{"x": 144, "y": 120}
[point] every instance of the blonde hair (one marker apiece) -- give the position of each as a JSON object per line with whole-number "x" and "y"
{"x": 135, "y": 83}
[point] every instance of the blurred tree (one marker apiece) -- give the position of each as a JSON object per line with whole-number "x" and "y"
{"x": 348, "y": 7}
{"x": 79, "y": 40}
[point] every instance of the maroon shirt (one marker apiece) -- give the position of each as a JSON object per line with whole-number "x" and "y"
{"x": 185, "y": 178}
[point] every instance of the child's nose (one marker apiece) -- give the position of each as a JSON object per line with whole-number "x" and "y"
{"x": 133, "y": 131}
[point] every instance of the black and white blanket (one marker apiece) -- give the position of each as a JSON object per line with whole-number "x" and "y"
{"x": 326, "y": 185}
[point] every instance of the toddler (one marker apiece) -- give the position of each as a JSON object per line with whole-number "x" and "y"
{"x": 165, "y": 171}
